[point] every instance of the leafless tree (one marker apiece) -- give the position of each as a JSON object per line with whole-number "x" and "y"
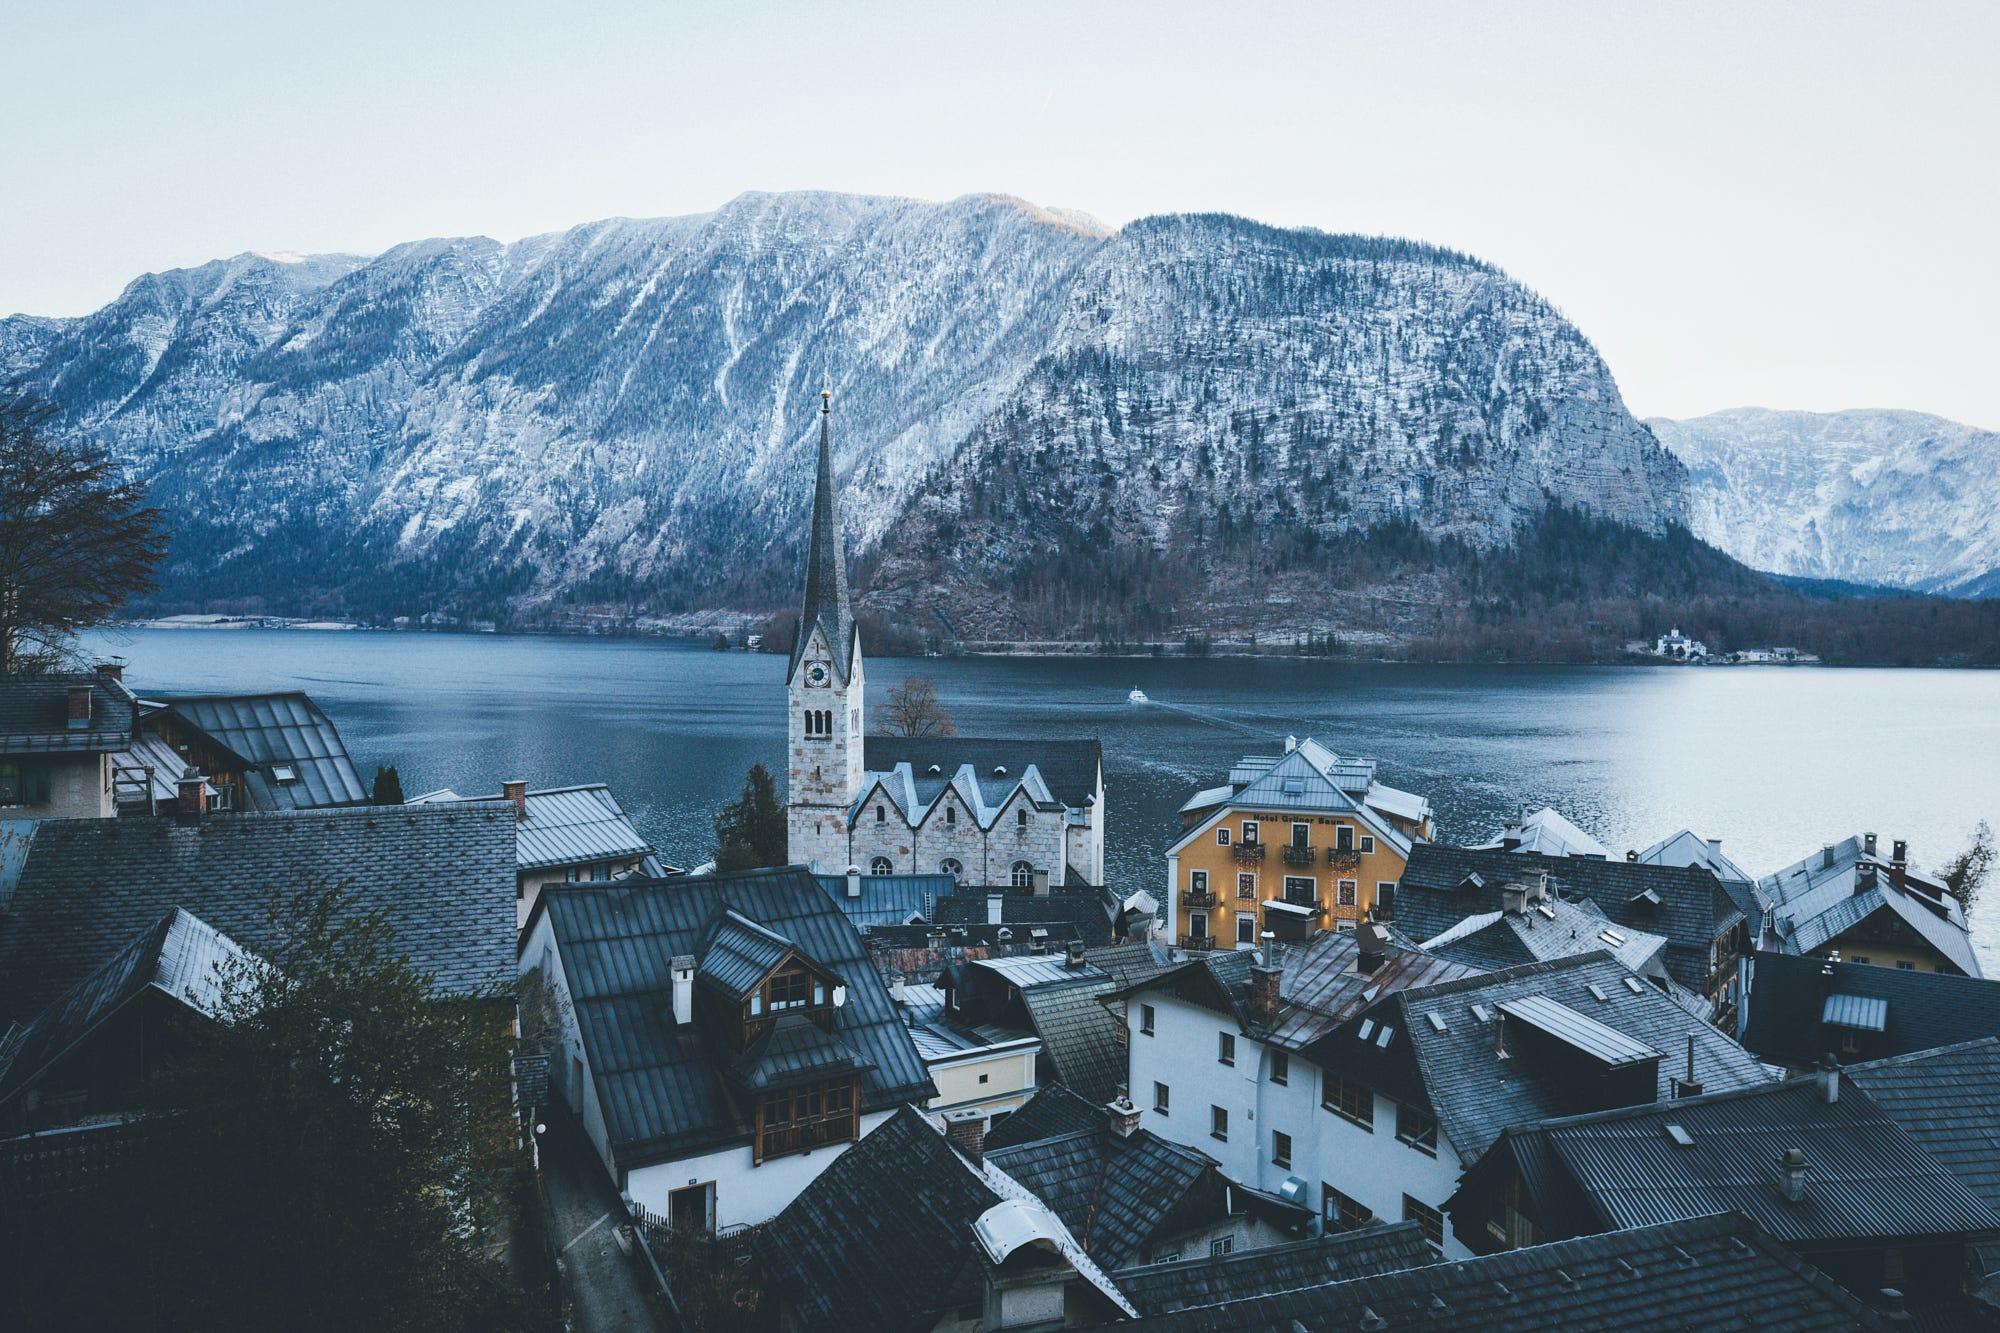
{"x": 77, "y": 539}
{"x": 914, "y": 710}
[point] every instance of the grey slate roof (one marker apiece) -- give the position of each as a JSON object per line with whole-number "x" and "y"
{"x": 1052, "y": 1112}
{"x": 444, "y": 874}
{"x": 1547, "y": 930}
{"x": 34, "y": 715}
{"x": 1114, "y": 1193}
{"x": 1334, "y": 1257}
{"x": 826, "y": 605}
{"x": 179, "y": 956}
{"x": 1476, "y": 1094}
{"x": 1786, "y": 1003}
{"x": 888, "y": 900}
{"x": 737, "y": 953}
{"x": 1084, "y": 910}
{"x": 1866, "y": 1178}
{"x": 268, "y": 731}
{"x": 1079, "y": 1035}
{"x": 1694, "y": 908}
{"x": 1319, "y": 988}
{"x": 1811, "y": 904}
{"x": 664, "y": 1090}
{"x": 1071, "y": 768}
{"x": 883, "y": 1237}
{"x": 1714, "y": 1273}
{"x": 796, "y": 1050}
{"x": 1948, "y": 1101}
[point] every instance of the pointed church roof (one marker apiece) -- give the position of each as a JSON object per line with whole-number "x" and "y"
{"x": 826, "y": 605}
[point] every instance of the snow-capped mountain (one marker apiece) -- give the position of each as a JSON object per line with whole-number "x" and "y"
{"x": 1898, "y": 499}
{"x": 620, "y": 415}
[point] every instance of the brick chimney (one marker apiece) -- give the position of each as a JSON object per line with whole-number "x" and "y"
{"x": 1124, "y": 1115}
{"x": 1829, "y": 1079}
{"x": 517, "y": 792}
{"x": 1266, "y": 981}
{"x": 79, "y": 708}
{"x": 1073, "y": 954}
{"x": 191, "y": 794}
{"x": 111, "y": 669}
{"x": 966, "y": 1131}
{"x": 1868, "y": 843}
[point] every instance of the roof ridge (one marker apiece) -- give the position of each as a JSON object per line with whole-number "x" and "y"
{"x": 1917, "y": 1057}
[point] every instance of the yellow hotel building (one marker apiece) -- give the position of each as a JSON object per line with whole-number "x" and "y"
{"x": 1292, "y": 843}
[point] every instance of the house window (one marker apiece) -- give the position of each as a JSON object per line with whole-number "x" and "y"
{"x": 951, "y": 814}
{"x": 1367, "y": 844}
{"x": 1428, "y": 1219}
{"x": 881, "y": 815}
{"x": 1146, "y": 1019}
{"x": 1220, "y": 1246}
{"x": 1281, "y": 1149}
{"x": 789, "y": 989}
{"x": 1347, "y": 1099}
{"x": 1343, "y": 838}
{"x": 1246, "y": 928}
{"x": 1850, "y": 1042}
{"x": 1346, "y": 892}
{"x": 800, "y": 1119}
{"x": 1385, "y": 897}
{"x": 1246, "y": 884}
{"x": 1023, "y": 875}
{"x": 1222, "y": 835}
{"x": 1281, "y": 1068}
{"x": 1300, "y": 889}
{"x": 1302, "y": 835}
{"x": 1340, "y": 1212}
{"x": 952, "y": 866}
{"x": 1225, "y": 1048}
{"x": 1197, "y": 881}
{"x": 1020, "y": 819}
{"x": 1906, "y": 965}
{"x": 880, "y": 866}
{"x": 1416, "y": 1129}
{"x": 1161, "y": 1096}
{"x": 24, "y": 784}
{"x": 1218, "y": 1124}
{"x": 1250, "y": 832}
{"x": 1197, "y": 925}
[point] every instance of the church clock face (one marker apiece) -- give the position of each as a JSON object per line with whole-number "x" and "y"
{"x": 816, "y": 674}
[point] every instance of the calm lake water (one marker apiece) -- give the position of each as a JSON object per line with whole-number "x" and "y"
{"x": 1774, "y": 761}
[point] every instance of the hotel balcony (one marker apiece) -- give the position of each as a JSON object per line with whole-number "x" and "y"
{"x": 1198, "y": 898}
{"x": 1197, "y": 943}
{"x": 1249, "y": 851}
{"x": 1297, "y": 855}
{"x": 1343, "y": 858}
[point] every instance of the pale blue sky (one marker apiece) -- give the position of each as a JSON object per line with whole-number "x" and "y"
{"x": 1792, "y": 205}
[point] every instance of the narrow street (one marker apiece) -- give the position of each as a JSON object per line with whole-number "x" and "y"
{"x": 606, "y": 1289}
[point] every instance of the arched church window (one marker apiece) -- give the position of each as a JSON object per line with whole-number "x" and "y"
{"x": 1021, "y": 818}
{"x": 1024, "y": 874}
{"x": 881, "y": 815}
{"x": 880, "y": 866}
{"x": 951, "y": 814}
{"x": 952, "y": 866}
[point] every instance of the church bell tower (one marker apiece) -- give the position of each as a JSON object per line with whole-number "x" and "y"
{"x": 824, "y": 690}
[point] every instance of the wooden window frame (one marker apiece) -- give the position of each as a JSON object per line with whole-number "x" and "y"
{"x": 836, "y": 1118}
{"x": 1335, "y": 1094}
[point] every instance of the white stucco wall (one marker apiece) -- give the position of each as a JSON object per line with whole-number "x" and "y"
{"x": 1372, "y": 1168}
{"x": 745, "y": 1194}
{"x": 1009, "y": 1076}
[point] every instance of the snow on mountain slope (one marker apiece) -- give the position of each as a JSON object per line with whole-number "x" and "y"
{"x": 619, "y": 415}
{"x": 1894, "y": 498}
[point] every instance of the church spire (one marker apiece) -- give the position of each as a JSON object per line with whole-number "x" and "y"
{"x": 826, "y": 603}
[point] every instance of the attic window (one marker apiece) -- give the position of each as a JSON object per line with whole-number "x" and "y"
{"x": 1436, "y": 1021}
{"x": 1482, "y": 1013}
{"x": 1611, "y": 937}
{"x": 1004, "y": 935}
{"x": 284, "y": 773}
{"x": 934, "y": 770}
{"x": 1597, "y": 993}
{"x": 999, "y": 770}
{"x": 1384, "y": 1037}
{"x": 1680, "y": 1137}
{"x": 1632, "y": 984}
{"x": 1472, "y": 881}
{"x": 1295, "y": 786}
{"x": 1367, "y": 1029}
{"x": 1546, "y": 910}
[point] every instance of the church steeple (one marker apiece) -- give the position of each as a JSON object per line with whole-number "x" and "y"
{"x": 826, "y": 605}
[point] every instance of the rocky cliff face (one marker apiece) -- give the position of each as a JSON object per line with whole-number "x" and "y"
{"x": 1898, "y": 499}
{"x": 619, "y": 416}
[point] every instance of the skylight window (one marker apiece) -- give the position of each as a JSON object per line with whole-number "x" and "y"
{"x": 284, "y": 773}
{"x": 1384, "y": 1037}
{"x": 1597, "y": 993}
{"x": 1632, "y": 984}
{"x": 1610, "y": 936}
{"x": 1546, "y": 910}
{"x": 1367, "y": 1029}
{"x": 1681, "y": 1138}
{"x": 1294, "y": 786}
{"x": 1436, "y": 1021}
{"x": 1482, "y": 1013}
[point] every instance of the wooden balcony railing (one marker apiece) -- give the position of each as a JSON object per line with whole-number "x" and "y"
{"x": 1299, "y": 855}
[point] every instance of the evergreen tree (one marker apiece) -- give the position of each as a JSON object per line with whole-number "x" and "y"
{"x": 388, "y": 786}
{"x": 750, "y": 831}
{"x": 1966, "y": 873}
